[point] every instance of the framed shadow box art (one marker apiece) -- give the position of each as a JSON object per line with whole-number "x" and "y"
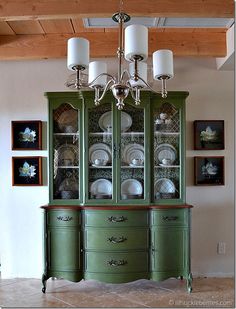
{"x": 209, "y": 135}
{"x": 26, "y": 171}
{"x": 26, "y": 135}
{"x": 209, "y": 171}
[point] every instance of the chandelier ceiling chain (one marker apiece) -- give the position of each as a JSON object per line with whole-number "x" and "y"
{"x": 135, "y": 50}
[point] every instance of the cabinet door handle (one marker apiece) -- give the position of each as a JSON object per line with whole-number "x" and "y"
{"x": 115, "y": 263}
{"x": 116, "y": 240}
{"x": 170, "y": 218}
{"x": 117, "y": 219}
{"x": 64, "y": 218}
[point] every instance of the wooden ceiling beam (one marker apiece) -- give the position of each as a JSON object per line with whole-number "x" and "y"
{"x": 54, "y": 9}
{"x": 208, "y": 42}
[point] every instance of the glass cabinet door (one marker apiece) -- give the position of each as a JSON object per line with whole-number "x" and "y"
{"x": 65, "y": 152}
{"x": 132, "y": 154}
{"x": 167, "y": 153}
{"x": 99, "y": 157}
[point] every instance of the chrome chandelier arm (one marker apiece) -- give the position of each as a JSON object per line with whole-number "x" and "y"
{"x": 100, "y": 75}
{"x": 163, "y": 92}
{"x": 98, "y": 98}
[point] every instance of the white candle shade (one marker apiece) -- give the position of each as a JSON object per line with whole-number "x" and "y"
{"x": 77, "y": 53}
{"x": 163, "y": 64}
{"x": 142, "y": 72}
{"x": 136, "y": 41}
{"x": 96, "y": 68}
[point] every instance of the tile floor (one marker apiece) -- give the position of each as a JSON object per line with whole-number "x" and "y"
{"x": 207, "y": 293}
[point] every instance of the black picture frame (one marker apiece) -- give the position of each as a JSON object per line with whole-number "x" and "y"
{"x": 209, "y": 171}
{"x": 209, "y": 135}
{"x": 27, "y": 171}
{"x": 26, "y": 135}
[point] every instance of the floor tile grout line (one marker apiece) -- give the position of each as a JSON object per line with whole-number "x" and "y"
{"x": 62, "y": 301}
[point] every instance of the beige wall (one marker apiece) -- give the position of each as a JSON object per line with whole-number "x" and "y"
{"x": 21, "y": 97}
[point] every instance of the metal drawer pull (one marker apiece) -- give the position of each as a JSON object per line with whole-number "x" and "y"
{"x": 117, "y": 263}
{"x": 66, "y": 218}
{"x": 116, "y": 240}
{"x": 170, "y": 218}
{"x": 117, "y": 219}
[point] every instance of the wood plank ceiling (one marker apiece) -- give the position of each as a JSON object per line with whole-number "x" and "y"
{"x": 32, "y": 29}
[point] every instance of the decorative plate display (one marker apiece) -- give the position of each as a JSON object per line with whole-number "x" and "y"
{"x": 132, "y": 152}
{"x": 99, "y": 155}
{"x": 68, "y": 121}
{"x": 164, "y": 185}
{"x": 101, "y": 187}
{"x": 99, "y": 146}
{"x": 131, "y": 187}
{"x": 165, "y": 151}
{"x": 67, "y": 155}
{"x": 105, "y": 121}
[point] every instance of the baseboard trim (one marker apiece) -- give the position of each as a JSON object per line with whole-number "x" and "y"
{"x": 211, "y": 275}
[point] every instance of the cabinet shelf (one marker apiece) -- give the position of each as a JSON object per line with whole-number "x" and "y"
{"x": 167, "y": 133}
{"x": 61, "y": 166}
{"x": 168, "y": 166}
{"x": 100, "y": 133}
{"x": 101, "y": 167}
{"x": 66, "y": 134}
{"x": 127, "y": 166}
{"x": 132, "y": 133}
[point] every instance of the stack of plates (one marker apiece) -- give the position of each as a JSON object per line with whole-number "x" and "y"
{"x": 105, "y": 121}
{"x": 165, "y": 151}
{"x": 101, "y": 188}
{"x": 101, "y": 152}
{"x": 164, "y": 188}
{"x": 131, "y": 152}
{"x": 131, "y": 189}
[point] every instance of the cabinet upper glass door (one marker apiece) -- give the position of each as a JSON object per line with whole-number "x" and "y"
{"x": 100, "y": 156}
{"x": 66, "y": 152}
{"x": 132, "y": 153}
{"x": 167, "y": 152}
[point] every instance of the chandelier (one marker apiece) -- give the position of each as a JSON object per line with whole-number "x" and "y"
{"x": 135, "y": 50}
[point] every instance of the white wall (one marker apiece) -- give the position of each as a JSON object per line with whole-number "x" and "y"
{"x": 21, "y": 97}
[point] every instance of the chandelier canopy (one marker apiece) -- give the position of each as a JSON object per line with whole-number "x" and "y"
{"x": 134, "y": 50}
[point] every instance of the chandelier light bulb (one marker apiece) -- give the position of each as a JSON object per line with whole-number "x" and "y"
{"x": 136, "y": 42}
{"x": 77, "y": 53}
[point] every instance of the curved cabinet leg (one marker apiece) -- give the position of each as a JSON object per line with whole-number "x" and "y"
{"x": 189, "y": 282}
{"x": 44, "y": 281}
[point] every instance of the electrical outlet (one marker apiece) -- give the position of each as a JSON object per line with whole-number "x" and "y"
{"x": 221, "y": 246}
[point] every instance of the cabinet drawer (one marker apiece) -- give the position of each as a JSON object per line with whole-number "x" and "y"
{"x": 116, "y": 262}
{"x": 116, "y": 238}
{"x": 116, "y": 218}
{"x": 63, "y": 217}
{"x": 170, "y": 217}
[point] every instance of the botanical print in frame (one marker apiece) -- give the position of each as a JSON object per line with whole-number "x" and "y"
{"x": 209, "y": 134}
{"x": 26, "y": 171}
{"x": 26, "y": 135}
{"x": 209, "y": 171}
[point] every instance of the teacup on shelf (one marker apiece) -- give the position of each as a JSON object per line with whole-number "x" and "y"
{"x": 137, "y": 162}
{"x": 163, "y": 116}
{"x": 166, "y": 161}
{"x": 100, "y": 162}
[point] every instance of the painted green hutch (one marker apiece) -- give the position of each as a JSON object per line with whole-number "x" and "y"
{"x": 117, "y": 210}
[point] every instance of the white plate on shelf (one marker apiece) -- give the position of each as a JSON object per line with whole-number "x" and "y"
{"x": 99, "y": 146}
{"x": 99, "y": 154}
{"x": 105, "y": 121}
{"x": 101, "y": 186}
{"x": 131, "y": 187}
{"x": 67, "y": 154}
{"x": 165, "y": 151}
{"x": 133, "y": 151}
{"x": 164, "y": 185}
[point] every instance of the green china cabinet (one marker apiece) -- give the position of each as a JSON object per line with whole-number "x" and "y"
{"x": 117, "y": 209}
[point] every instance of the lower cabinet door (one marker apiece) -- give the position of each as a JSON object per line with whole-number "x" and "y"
{"x": 170, "y": 252}
{"x": 63, "y": 249}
